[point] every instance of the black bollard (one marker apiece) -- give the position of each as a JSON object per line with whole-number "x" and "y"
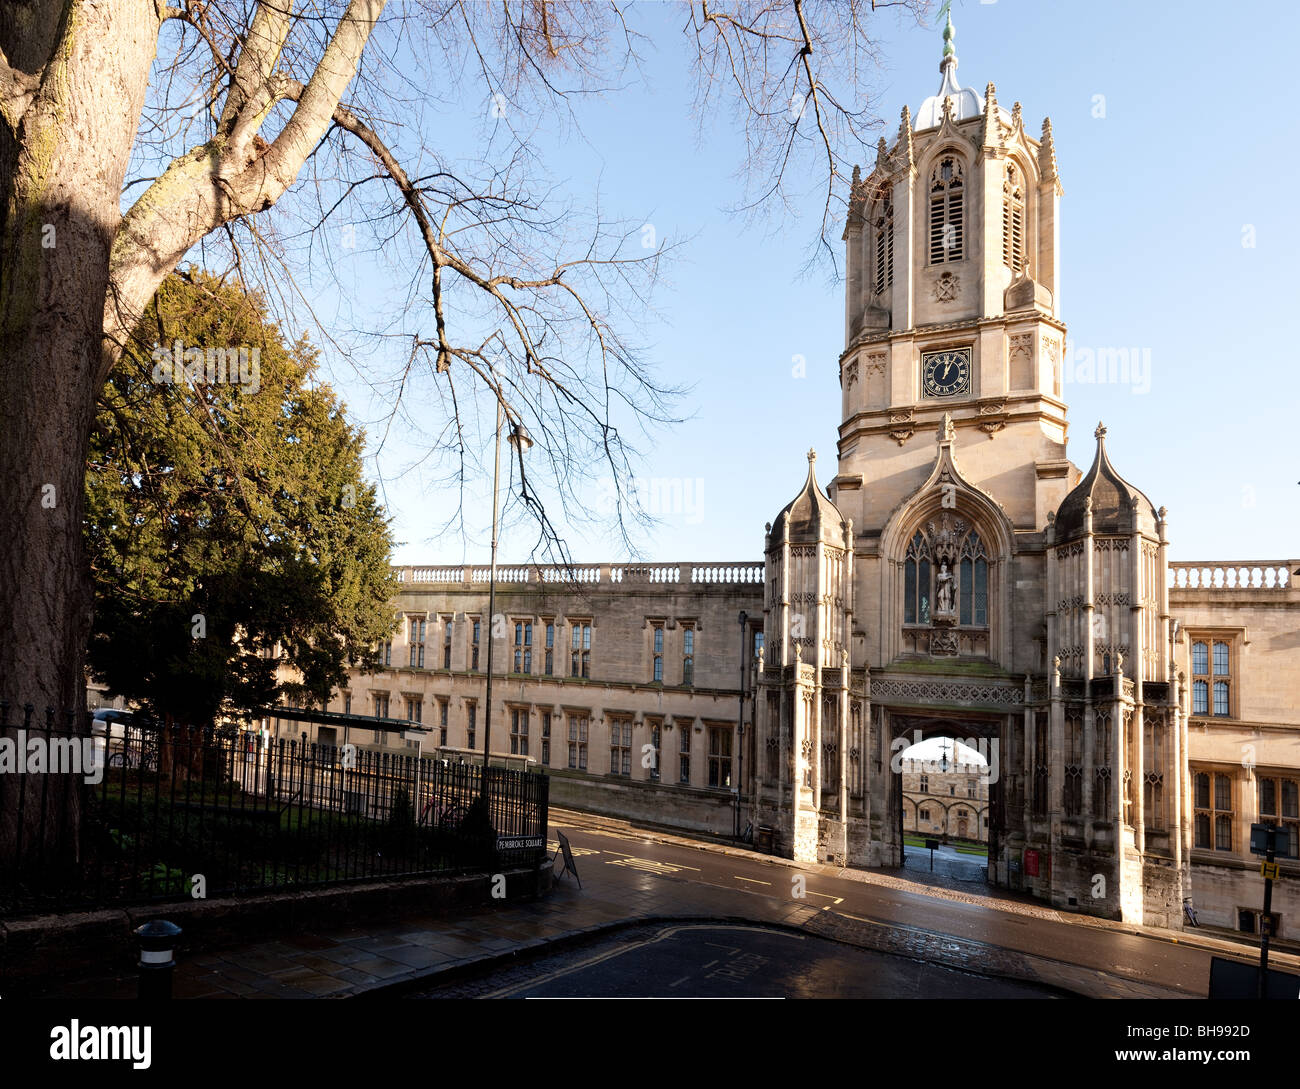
{"x": 157, "y": 940}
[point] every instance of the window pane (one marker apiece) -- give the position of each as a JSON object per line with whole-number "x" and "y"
{"x": 923, "y": 591}
{"x": 1220, "y": 697}
{"x": 1221, "y": 659}
{"x": 1268, "y": 797}
{"x": 1202, "y": 830}
{"x": 1200, "y": 698}
{"x": 1222, "y": 792}
{"x": 1290, "y": 798}
{"x": 1202, "y": 790}
{"x": 909, "y": 592}
{"x": 981, "y": 593}
{"x": 1223, "y": 833}
{"x": 967, "y": 590}
{"x": 1200, "y": 658}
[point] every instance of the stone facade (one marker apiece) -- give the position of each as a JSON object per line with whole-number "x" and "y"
{"x": 623, "y": 681}
{"x": 979, "y": 585}
{"x": 1243, "y": 729}
{"x": 951, "y": 802}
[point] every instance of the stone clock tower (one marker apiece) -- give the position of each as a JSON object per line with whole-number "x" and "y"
{"x": 952, "y": 305}
{"x": 960, "y": 577}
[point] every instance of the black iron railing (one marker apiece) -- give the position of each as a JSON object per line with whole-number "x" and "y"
{"x": 133, "y": 811}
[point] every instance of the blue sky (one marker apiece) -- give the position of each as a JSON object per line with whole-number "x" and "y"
{"x": 1177, "y": 157}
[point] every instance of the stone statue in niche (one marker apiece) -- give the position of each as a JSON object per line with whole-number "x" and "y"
{"x": 945, "y": 590}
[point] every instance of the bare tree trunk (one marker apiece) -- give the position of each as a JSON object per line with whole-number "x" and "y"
{"x": 62, "y": 161}
{"x": 75, "y": 276}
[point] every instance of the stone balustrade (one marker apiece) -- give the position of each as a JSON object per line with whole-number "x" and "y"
{"x": 666, "y": 574}
{"x": 1233, "y": 575}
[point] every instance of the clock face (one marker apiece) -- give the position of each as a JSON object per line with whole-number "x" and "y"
{"x": 946, "y": 373}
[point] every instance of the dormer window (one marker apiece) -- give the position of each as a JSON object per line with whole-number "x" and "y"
{"x": 946, "y": 212}
{"x": 1013, "y": 220}
{"x": 883, "y": 267}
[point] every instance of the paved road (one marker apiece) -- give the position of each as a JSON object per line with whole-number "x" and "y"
{"x": 607, "y": 856}
{"x": 706, "y": 961}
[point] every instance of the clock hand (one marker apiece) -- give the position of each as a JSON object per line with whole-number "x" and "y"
{"x": 947, "y": 367}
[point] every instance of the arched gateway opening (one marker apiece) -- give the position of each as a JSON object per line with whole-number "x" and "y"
{"x": 945, "y": 789}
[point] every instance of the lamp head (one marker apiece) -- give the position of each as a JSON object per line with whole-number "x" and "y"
{"x": 520, "y": 439}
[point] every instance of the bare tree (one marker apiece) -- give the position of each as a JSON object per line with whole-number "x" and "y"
{"x": 250, "y": 128}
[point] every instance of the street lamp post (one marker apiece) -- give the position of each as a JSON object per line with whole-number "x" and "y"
{"x": 521, "y": 441}
{"x": 740, "y": 725}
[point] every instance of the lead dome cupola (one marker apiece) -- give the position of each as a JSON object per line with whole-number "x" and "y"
{"x": 1118, "y": 508}
{"x": 810, "y": 515}
{"x": 967, "y": 103}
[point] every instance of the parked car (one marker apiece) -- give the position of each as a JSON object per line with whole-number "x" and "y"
{"x": 129, "y": 740}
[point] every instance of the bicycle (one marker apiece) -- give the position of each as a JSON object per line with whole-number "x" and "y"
{"x": 1189, "y": 912}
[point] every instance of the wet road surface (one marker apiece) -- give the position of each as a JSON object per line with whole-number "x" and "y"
{"x": 605, "y": 855}
{"x": 722, "y": 961}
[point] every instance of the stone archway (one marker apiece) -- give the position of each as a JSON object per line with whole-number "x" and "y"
{"x": 986, "y": 733}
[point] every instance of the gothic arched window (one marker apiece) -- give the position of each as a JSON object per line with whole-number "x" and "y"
{"x": 962, "y": 551}
{"x": 1013, "y": 220}
{"x": 883, "y": 242}
{"x": 946, "y": 208}
{"x": 916, "y": 582}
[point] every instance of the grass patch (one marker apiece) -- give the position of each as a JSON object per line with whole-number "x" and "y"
{"x": 959, "y": 846}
